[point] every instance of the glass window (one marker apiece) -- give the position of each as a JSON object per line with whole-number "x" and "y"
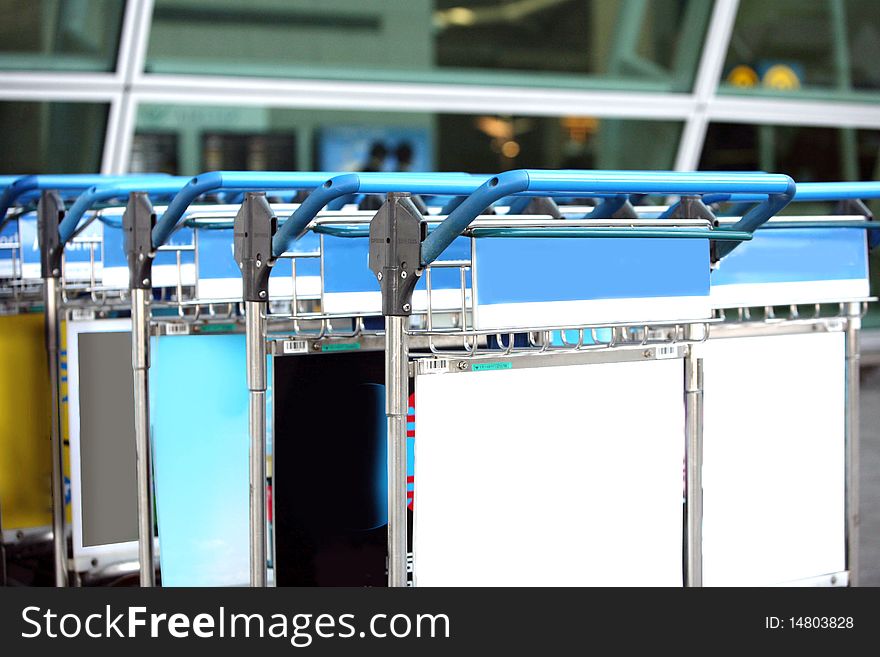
{"x": 824, "y": 48}
{"x": 578, "y": 43}
{"x": 60, "y": 35}
{"x": 190, "y": 139}
{"x": 806, "y": 154}
{"x": 40, "y": 137}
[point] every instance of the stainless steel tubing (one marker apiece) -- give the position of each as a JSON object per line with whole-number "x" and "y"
{"x": 53, "y": 330}
{"x": 693, "y": 374}
{"x": 853, "y": 327}
{"x": 396, "y": 402}
{"x": 140, "y": 363}
{"x": 255, "y": 328}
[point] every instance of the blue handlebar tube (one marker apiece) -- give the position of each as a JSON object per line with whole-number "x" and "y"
{"x": 778, "y": 190}
{"x": 231, "y": 180}
{"x": 64, "y": 183}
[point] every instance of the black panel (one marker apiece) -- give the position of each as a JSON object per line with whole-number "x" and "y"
{"x": 330, "y": 479}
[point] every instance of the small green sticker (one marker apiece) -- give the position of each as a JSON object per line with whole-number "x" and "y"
{"x": 217, "y": 328}
{"x": 480, "y": 367}
{"x": 341, "y": 346}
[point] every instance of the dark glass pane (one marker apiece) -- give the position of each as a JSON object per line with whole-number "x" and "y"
{"x": 60, "y": 35}
{"x": 52, "y": 137}
{"x": 607, "y": 43}
{"x": 190, "y": 139}
{"x": 801, "y": 46}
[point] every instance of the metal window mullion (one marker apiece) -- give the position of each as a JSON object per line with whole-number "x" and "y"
{"x": 706, "y": 82}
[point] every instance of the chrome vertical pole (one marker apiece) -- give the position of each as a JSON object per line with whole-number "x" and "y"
{"x": 396, "y": 234}
{"x": 255, "y": 327}
{"x": 851, "y": 428}
{"x": 693, "y": 374}
{"x": 396, "y": 402}
{"x": 50, "y": 211}
{"x": 255, "y": 225}
{"x": 137, "y": 224}
{"x": 140, "y": 362}
{"x": 53, "y": 333}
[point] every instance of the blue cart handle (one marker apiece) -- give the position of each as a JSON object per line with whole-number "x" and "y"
{"x": 231, "y": 180}
{"x": 777, "y": 191}
{"x": 441, "y": 184}
{"x": 107, "y": 192}
{"x": 62, "y": 183}
{"x": 833, "y": 191}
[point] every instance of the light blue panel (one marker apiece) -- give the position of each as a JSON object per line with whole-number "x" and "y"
{"x": 216, "y": 257}
{"x": 8, "y": 236}
{"x": 199, "y": 413}
{"x": 78, "y": 252}
{"x": 792, "y": 255}
{"x": 114, "y": 248}
{"x": 347, "y": 267}
{"x": 73, "y": 252}
{"x": 603, "y": 336}
{"x": 522, "y": 270}
{"x": 30, "y": 246}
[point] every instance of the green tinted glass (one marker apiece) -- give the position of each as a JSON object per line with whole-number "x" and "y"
{"x": 52, "y": 137}
{"x": 604, "y": 43}
{"x": 813, "y": 48}
{"x": 60, "y": 35}
{"x": 806, "y": 154}
{"x": 191, "y": 139}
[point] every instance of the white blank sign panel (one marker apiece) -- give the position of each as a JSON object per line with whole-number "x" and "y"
{"x": 773, "y": 459}
{"x": 550, "y": 476}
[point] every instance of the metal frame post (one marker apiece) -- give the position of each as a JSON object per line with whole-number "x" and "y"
{"x": 397, "y": 385}
{"x": 693, "y": 399}
{"x": 255, "y": 225}
{"x": 49, "y": 215}
{"x": 138, "y": 222}
{"x": 396, "y": 233}
{"x": 851, "y": 429}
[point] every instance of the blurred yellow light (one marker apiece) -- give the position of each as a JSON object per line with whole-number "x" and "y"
{"x": 742, "y": 76}
{"x": 781, "y": 77}
{"x": 510, "y": 149}
{"x": 460, "y": 16}
{"x": 580, "y": 127}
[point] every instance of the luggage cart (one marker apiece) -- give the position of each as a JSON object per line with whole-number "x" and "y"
{"x": 27, "y": 190}
{"x": 808, "y": 472}
{"x": 325, "y": 226}
{"x": 779, "y": 189}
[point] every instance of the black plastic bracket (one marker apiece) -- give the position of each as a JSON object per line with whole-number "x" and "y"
{"x": 692, "y": 207}
{"x": 50, "y": 212}
{"x": 854, "y": 206}
{"x": 137, "y": 228}
{"x": 543, "y": 205}
{"x": 625, "y": 211}
{"x": 255, "y": 225}
{"x": 396, "y": 235}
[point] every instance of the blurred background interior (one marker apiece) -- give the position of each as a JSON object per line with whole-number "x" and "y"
{"x": 184, "y": 86}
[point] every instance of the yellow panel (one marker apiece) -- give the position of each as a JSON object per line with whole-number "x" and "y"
{"x": 25, "y": 456}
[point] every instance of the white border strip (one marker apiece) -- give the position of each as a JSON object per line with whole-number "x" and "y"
{"x": 597, "y": 311}
{"x": 743, "y": 295}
